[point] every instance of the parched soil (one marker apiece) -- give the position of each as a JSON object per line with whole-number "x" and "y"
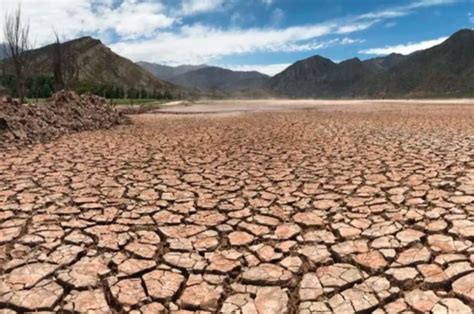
{"x": 308, "y": 211}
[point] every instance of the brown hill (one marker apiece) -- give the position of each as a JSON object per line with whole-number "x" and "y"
{"x": 98, "y": 64}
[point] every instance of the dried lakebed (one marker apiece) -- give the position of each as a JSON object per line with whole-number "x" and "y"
{"x": 283, "y": 212}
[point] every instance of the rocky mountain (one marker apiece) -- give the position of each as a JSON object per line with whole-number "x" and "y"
{"x": 446, "y": 70}
{"x": 207, "y": 78}
{"x": 219, "y": 79}
{"x": 443, "y": 70}
{"x": 320, "y": 77}
{"x": 381, "y": 64}
{"x": 98, "y": 64}
{"x": 164, "y": 72}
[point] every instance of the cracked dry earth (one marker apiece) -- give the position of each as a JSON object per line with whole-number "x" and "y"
{"x": 285, "y": 212}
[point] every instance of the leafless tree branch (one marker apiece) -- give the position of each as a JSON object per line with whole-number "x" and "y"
{"x": 16, "y": 34}
{"x": 65, "y": 65}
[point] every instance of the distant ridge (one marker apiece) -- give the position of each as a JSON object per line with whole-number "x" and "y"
{"x": 208, "y": 78}
{"x": 164, "y": 72}
{"x": 219, "y": 79}
{"x": 446, "y": 70}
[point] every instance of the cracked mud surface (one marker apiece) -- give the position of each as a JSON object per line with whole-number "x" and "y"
{"x": 296, "y": 212}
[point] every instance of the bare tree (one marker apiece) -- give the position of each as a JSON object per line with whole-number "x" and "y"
{"x": 16, "y": 34}
{"x": 65, "y": 65}
{"x": 58, "y": 64}
{"x": 4, "y": 64}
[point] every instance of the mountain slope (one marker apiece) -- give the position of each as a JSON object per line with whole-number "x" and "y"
{"x": 219, "y": 79}
{"x": 320, "y": 77}
{"x": 443, "y": 70}
{"x": 164, "y": 72}
{"x": 99, "y": 65}
{"x": 381, "y": 64}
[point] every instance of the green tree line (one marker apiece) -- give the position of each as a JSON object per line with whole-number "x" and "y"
{"x": 119, "y": 92}
{"x": 38, "y": 87}
{"x": 44, "y": 86}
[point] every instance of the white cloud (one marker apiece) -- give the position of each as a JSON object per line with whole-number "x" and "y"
{"x": 355, "y": 27}
{"x": 470, "y": 16}
{"x": 269, "y": 69}
{"x": 198, "y": 44}
{"x": 135, "y": 19}
{"x": 430, "y": 3}
{"x": 190, "y": 7}
{"x": 350, "y": 41}
{"x": 131, "y": 19}
{"x": 399, "y": 11}
{"x": 202, "y": 44}
{"x": 404, "y": 48}
{"x": 128, "y": 19}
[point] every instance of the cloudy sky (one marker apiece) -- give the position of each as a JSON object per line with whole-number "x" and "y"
{"x": 264, "y": 35}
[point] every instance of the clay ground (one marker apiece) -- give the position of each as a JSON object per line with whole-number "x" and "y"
{"x": 352, "y": 207}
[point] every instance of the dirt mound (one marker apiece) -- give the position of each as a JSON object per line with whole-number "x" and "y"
{"x": 65, "y": 112}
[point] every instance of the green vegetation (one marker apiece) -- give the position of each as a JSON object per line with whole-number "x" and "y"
{"x": 115, "y": 101}
{"x": 43, "y": 87}
{"x": 38, "y": 87}
{"x": 118, "y": 92}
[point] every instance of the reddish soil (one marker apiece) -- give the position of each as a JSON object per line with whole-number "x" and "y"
{"x": 64, "y": 113}
{"x": 306, "y": 211}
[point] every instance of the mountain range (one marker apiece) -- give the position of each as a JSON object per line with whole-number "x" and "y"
{"x": 219, "y": 79}
{"x": 208, "y": 78}
{"x": 446, "y": 70}
{"x": 319, "y": 77}
{"x": 165, "y": 72}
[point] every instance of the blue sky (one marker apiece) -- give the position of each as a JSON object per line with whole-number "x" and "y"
{"x": 265, "y": 35}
